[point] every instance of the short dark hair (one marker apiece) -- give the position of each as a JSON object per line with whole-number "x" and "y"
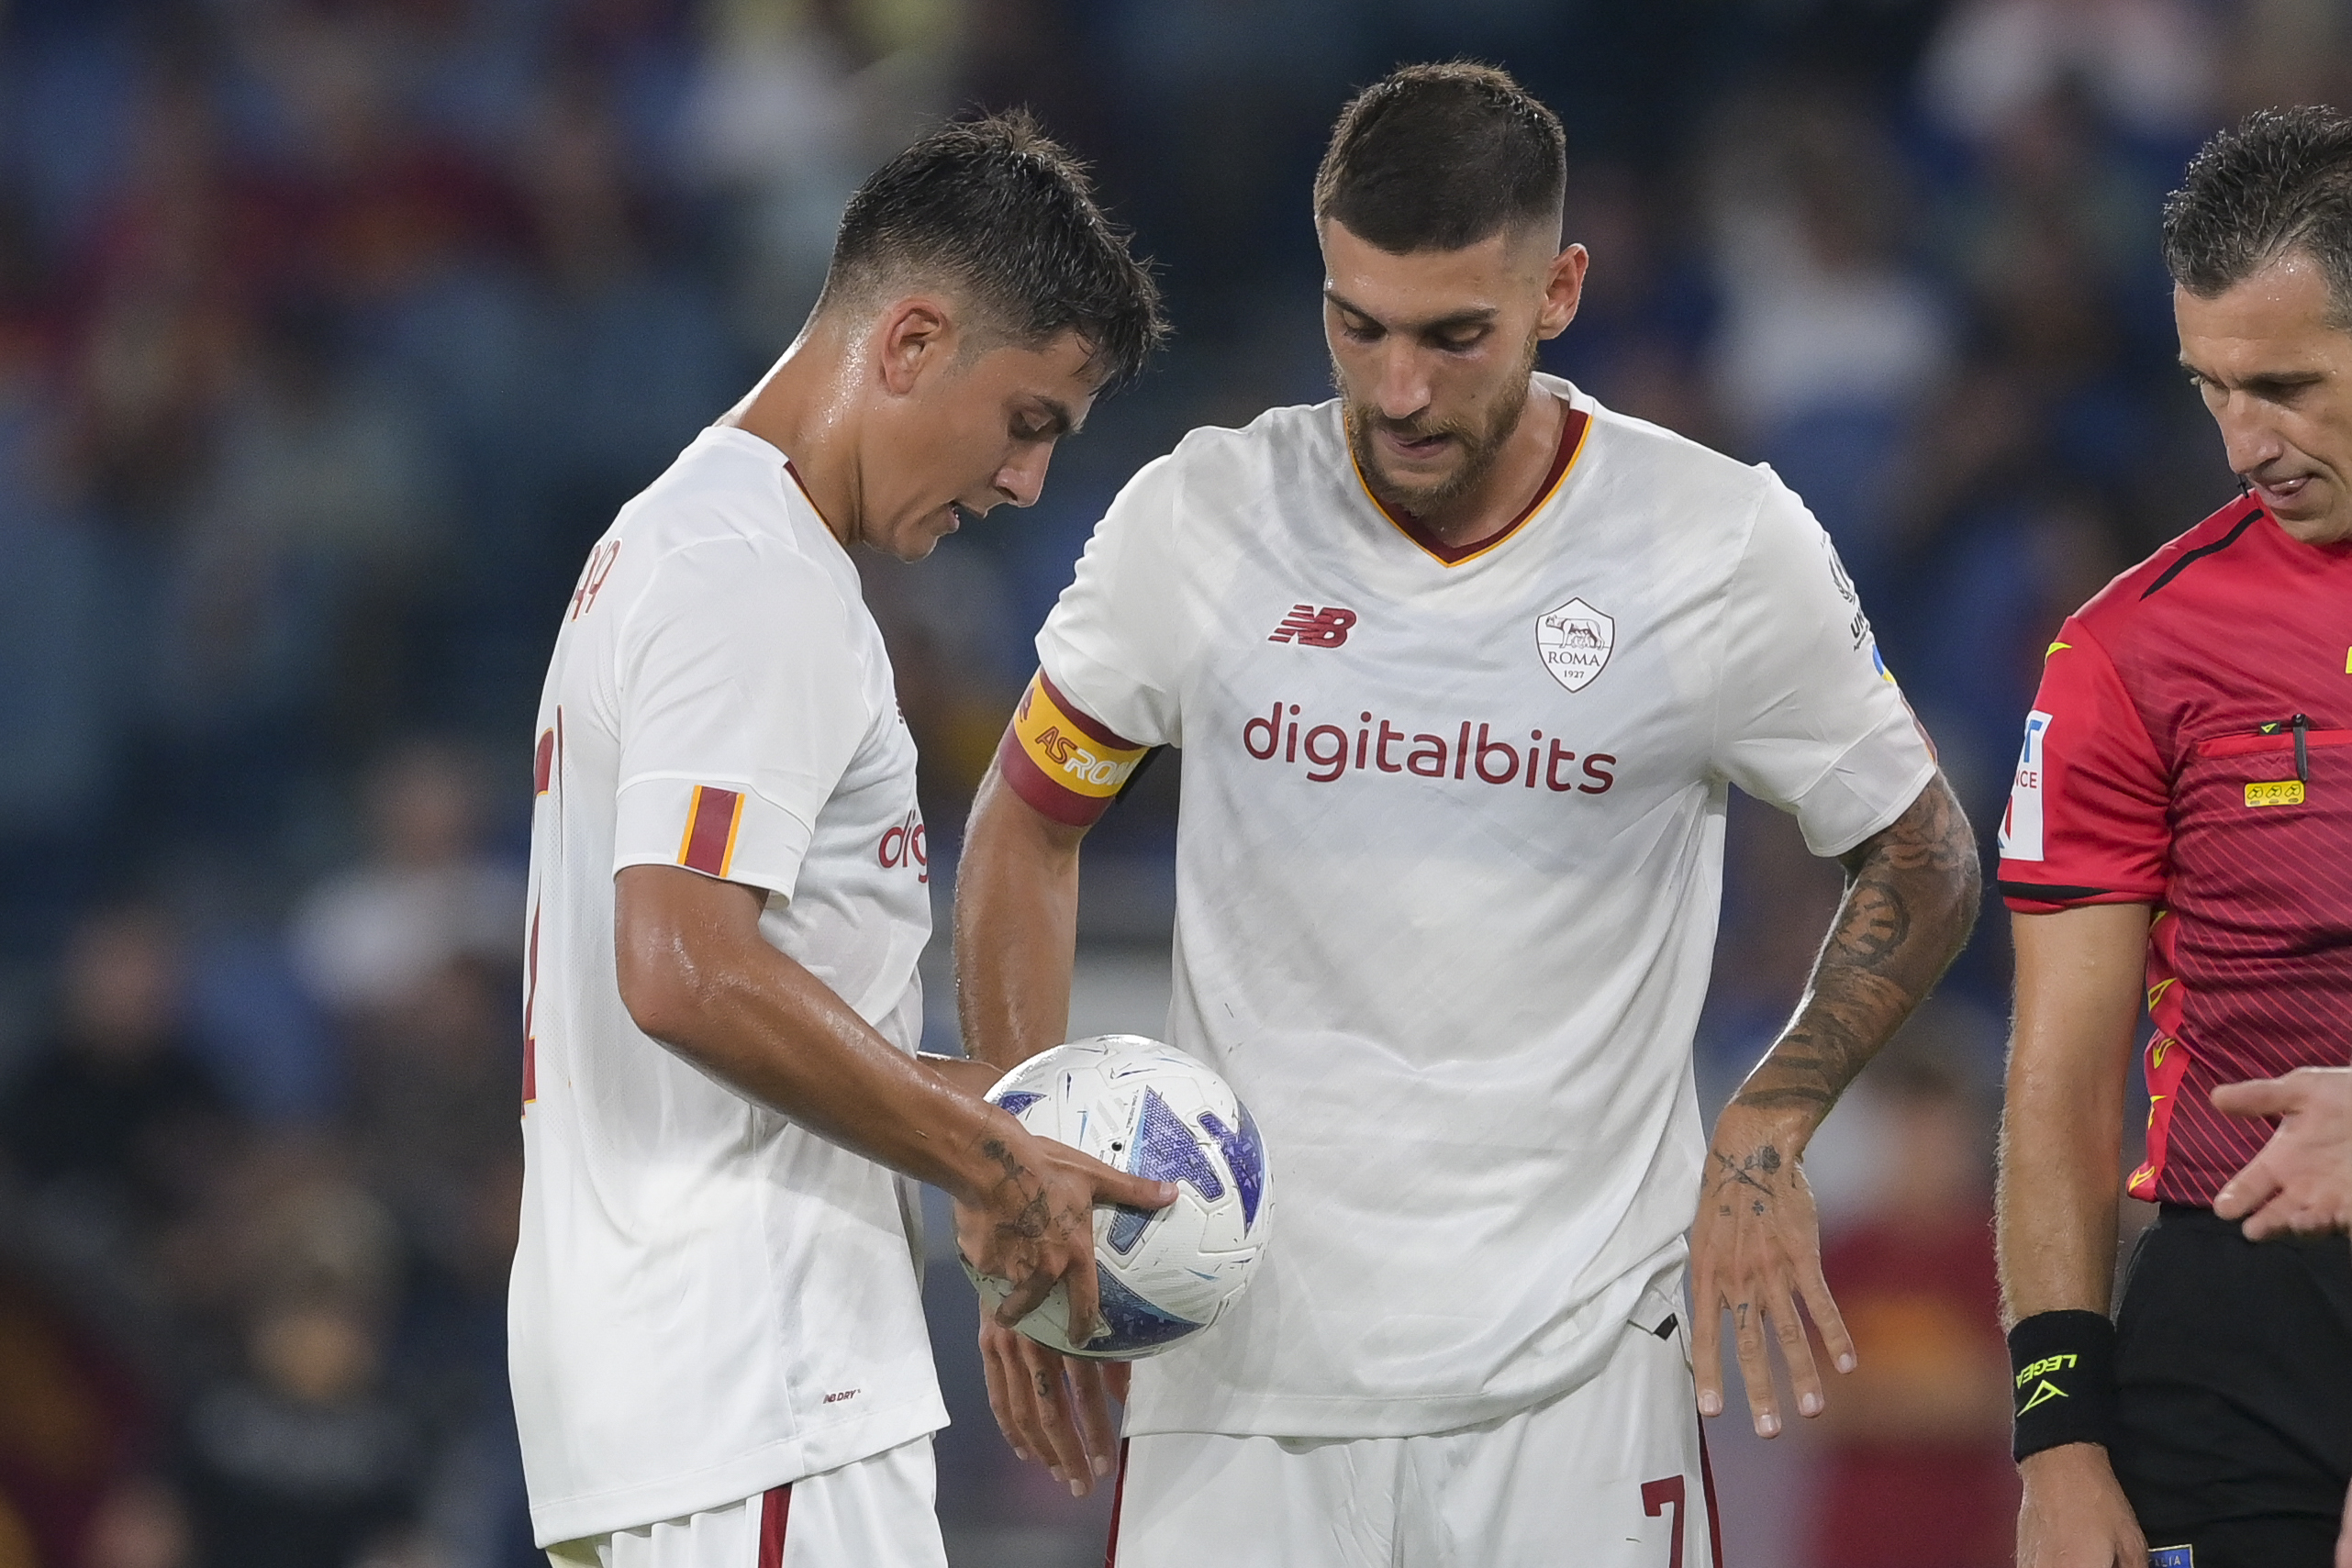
{"x": 1001, "y": 212}
{"x": 2280, "y": 180}
{"x": 1438, "y": 157}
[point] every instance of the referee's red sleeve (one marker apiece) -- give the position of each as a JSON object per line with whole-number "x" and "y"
{"x": 2087, "y": 821}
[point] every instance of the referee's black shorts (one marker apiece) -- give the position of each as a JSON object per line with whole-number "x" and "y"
{"x": 2234, "y": 1392}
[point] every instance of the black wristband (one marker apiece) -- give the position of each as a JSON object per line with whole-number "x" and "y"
{"x": 2064, "y": 1378}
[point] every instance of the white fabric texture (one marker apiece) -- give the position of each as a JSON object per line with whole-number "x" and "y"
{"x": 1456, "y": 984}
{"x": 872, "y": 1513}
{"x": 1601, "y": 1476}
{"x": 706, "y": 1300}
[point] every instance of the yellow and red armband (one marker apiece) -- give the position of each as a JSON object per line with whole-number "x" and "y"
{"x": 1063, "y": 764}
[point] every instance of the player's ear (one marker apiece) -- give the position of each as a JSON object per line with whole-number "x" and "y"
{"x": 1563, "y": 288}
{"x": 914, "y": 334}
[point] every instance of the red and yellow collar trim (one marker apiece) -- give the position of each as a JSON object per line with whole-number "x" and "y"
{"x": 1574, "y": 428}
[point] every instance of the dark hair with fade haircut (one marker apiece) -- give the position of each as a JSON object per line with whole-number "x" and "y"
{"x": 997, "y": 209}
{"x": 2278, "y": 181}
{"x": 1438, "y": 157}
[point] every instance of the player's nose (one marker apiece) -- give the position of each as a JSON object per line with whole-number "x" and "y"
{"x": 1404, "y": 383}
{"x": 1022, "y": 479}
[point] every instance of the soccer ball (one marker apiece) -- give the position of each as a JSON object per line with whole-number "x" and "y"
{"x": 1152, "y": 1110}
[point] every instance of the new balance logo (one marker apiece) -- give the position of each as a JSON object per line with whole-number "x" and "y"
{"x": 1311, "y": 627}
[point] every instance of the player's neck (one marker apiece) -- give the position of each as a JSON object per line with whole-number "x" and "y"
{"x": 1511, "y": 486}
{"x": 801, "y": 407}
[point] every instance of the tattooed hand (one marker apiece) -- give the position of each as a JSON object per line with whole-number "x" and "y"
{"x": 1911, "y": 899}
{"x": 1034, "y": 1225}
{"x": 1755, "y": 1252}
{"x": 1033, "y": 1221}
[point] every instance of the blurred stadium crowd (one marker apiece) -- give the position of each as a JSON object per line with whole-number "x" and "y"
{"x": 331, "y": 331}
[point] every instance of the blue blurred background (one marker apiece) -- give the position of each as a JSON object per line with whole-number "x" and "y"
{"x": 332, "y": 331}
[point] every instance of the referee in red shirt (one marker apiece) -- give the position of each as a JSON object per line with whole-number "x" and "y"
{"x": 2180, "y": 832}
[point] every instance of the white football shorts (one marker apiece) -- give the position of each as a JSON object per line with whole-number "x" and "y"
{"x": 1610, "y": 1475}
{"x": 878, "y": 1512}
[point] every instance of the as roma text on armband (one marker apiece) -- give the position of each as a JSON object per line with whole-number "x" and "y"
{"x": 2062, "y": 1367}
{"x": 1061, "y": 762}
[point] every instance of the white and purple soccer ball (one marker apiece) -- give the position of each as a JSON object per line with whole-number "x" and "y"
{"x": 1152, "y": 1110}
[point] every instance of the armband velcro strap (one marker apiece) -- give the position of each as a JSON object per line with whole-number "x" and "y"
{"x": 2063, "y": 1367}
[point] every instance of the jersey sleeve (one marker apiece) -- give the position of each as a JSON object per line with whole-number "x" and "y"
{"x": 1114, "y": 642}
{"x": 2088, "y": 816}
{"x": 1108, "y": 660}
{"x": 1809, "y": 717}
{"x": 740, "y": 704}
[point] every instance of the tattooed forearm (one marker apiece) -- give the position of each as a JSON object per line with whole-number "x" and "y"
{"x": 1911, "y": 900}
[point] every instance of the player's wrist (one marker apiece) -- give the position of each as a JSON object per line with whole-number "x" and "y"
{"x": 990, "y": 1149}
{"x": 1744, "y": 1130}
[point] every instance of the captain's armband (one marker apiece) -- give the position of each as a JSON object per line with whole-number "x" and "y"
{"x": 1061, "y": 763}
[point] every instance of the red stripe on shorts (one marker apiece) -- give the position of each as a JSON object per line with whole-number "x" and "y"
{"x": 1118, "y": 1497}
{"x": 775, "y": 1505}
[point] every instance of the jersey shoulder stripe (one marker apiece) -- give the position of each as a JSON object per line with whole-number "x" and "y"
{"x": 713, "y": 819}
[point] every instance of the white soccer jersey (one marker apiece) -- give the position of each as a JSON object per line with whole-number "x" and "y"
{"x": 708, "y": 1300}
{"x": 1448, "y": 871}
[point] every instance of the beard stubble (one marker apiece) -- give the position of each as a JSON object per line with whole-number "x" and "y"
{"x": 1481, "y": 445}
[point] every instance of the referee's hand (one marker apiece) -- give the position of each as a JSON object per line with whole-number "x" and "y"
{"x": 2074, "y": 1514}
{"x": 2302, "y": 1181}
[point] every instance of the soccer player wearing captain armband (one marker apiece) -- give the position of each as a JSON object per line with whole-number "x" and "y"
{"x": 2181, "y": 833}
{"x": 1462, "y": 666}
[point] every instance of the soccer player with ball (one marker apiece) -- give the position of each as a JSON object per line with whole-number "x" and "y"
{"x": 717, "y": 1333}
{"x": 1461, "y": 665}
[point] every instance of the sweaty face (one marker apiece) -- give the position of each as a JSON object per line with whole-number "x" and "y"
{"x": 2277, "y": 377}
{"x": 975, "y": 431}
{"x": 1432, "y": 353}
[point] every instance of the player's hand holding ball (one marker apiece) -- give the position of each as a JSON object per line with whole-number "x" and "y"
{"x": 1163, "y": 1272}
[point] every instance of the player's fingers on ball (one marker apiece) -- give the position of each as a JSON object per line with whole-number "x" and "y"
{"x": 1085, "y": 1297}
{"x": 1112, "y": 1185}
{"x": 1029, "y": 1291}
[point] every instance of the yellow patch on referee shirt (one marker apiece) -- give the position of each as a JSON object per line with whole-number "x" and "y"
{"x": 2281, "y": 792}
{"x": 1064, "y": 752}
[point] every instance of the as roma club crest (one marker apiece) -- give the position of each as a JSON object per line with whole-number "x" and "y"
{"x": 1574, "y": 642}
